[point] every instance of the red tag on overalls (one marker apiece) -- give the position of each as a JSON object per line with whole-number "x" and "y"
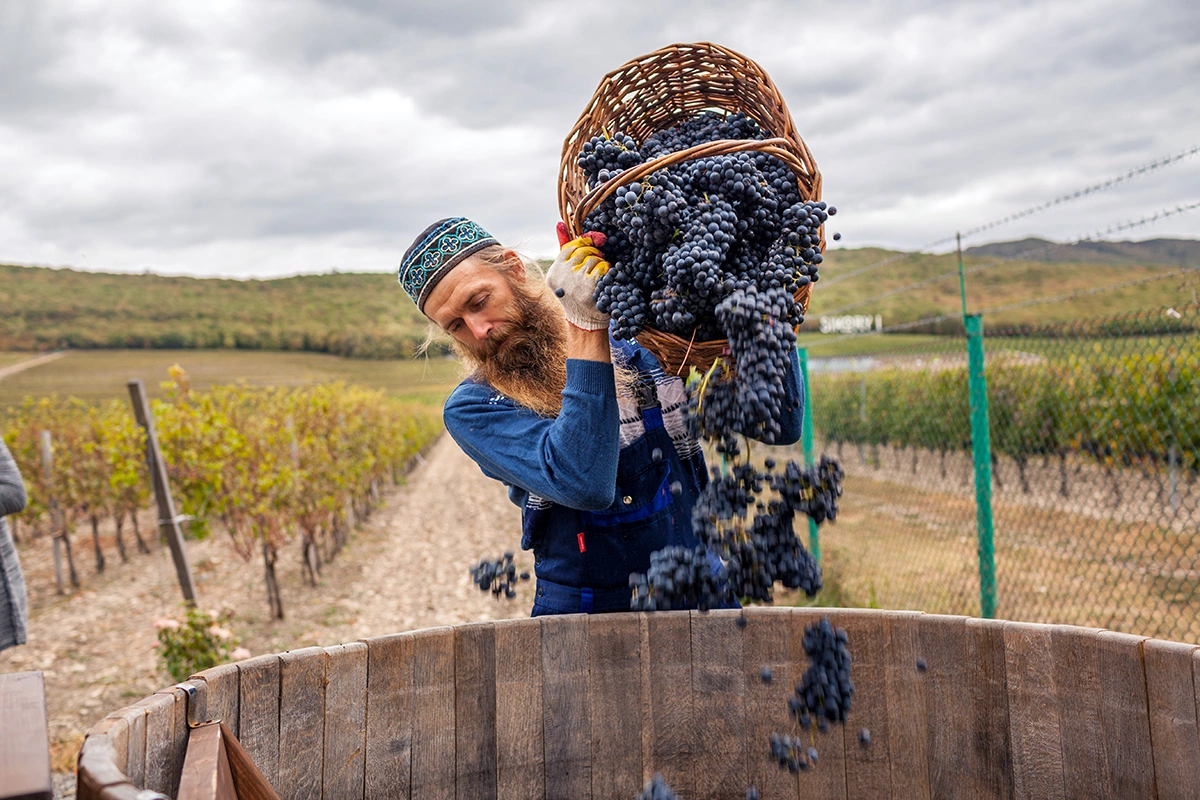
{"x": 582, "y": 546}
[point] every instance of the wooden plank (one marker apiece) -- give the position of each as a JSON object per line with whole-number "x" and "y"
{"x": 908, "y": 725}
{"x": 121, "y": 791}
{"x": 389, "y": 716}
{"x": 718, "y": 704}
{"x": 668, "y": 732}
{"x": 1036, "y": 735}
{"x": 868, "y": 773}
{"x": 160, "y": 739}
{"x": 615, "y": 700}
{"x": 24, "y": 737}
{"x": 989, "y": 731}
{"x": 206, "y": 774}
{"x": 301, "y": 722}
{"x": 222, "y": 694}
{"x": 135, "y": 747}
{"x": 520, "y": 753}
{"x": 947, "y": 703}
{"x": 566, "y": 723}
{"x": 258, "y": 713}
{"x": 767, "y": 642}
{"x": 475, "y": 710}
{"x": 248, "y": 780}
{"x": 1173, "y": 725}
{"x": 173, "y": 765}
{"x": 345, "y": 721}
{"x": 433, "y": 755}
{"x": 1076, "y": 654}
{"x": 828, "y": 778}
{"x": 98, "y": 763}
{"x": 1125, "y": 716}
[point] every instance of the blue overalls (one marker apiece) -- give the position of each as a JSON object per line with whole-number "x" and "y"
{"x": 583, "y": 559}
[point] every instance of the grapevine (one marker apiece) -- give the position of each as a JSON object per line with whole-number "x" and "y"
{"x": 264, "y": 465}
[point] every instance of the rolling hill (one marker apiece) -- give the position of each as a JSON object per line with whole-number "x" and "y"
{"x": 367, "y": 315}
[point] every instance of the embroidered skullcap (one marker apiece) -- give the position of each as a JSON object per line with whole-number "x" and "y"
{"x": 440, "y": 248}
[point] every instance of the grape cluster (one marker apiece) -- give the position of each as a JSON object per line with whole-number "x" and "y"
{"x": 657, "y": 789}
{"x": 499, "y": 576}
{"x": 825, "y": 691}
{"x": 822, "y": 696}
{"x": 813, "y": 491}
{"x": 680, "y": 577}
{"x": 686, "y": 237}
{"x": 790, "y": 752}
{"x": 763, "y": 549}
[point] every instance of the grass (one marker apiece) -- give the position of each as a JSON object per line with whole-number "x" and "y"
{"x": 826, "y": 346}
{"x": 906, "y": 547}
{"x": 102, "y": 374}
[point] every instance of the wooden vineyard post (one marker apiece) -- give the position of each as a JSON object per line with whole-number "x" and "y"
{"x": 58, "y": 520}
{"x": 168, "y": 520}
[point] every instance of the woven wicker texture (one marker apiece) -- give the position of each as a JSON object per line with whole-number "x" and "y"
{"x": 662, "y": 89}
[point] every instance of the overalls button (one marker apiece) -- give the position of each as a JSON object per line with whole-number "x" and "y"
{"x": 627, "y": 499}
{"x": 541, "y": 592}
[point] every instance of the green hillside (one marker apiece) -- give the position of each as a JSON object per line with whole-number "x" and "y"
{"x": 364, "y": 315}
{"x": 367, "y": 315}
{"x": 998, "y": 282}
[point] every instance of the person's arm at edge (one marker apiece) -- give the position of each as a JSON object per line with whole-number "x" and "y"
{"x": 12, "y": 488}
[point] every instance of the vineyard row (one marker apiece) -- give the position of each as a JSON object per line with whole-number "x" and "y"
{"x": 1142, "y": 409}
{"x": 268, "y": 465}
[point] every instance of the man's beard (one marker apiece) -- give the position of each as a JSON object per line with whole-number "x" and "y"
{"x": 525, "y": 359}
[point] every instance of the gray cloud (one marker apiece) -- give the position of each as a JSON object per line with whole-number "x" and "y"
{"x": 275, "y": 137}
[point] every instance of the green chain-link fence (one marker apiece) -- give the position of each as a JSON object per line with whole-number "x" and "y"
{"x": 1095, "y": 456}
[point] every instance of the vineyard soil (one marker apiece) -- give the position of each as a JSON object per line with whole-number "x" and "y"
{"x": 406, "y": 568}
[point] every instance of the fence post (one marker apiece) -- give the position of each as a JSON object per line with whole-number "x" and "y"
{"x": 982, "y": 446}
{"x": 52, "y": 503}
{"x": 806, "y": 438}
{"x": 168, "y": 520}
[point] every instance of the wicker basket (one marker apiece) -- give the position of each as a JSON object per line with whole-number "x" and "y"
{"x": 658, "y": 91}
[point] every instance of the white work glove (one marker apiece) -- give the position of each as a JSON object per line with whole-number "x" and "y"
{"x": 573, "y": 278}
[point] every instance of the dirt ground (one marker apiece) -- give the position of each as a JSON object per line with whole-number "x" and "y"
{"x": 406, "y": 568}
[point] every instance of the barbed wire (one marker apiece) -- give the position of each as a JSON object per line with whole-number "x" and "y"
{"x": 1116, "y": 228}
{"x": 1144, "y": 169}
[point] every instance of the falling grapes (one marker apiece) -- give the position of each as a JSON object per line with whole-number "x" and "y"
{"x": 657, "y": 789}
{"x": 822, "y": 696}
{"x": 499, "y": 576}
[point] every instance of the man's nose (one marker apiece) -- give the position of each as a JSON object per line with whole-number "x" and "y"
{"x": 480, "y": 328}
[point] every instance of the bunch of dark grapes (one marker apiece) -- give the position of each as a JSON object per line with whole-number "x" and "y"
{"x": 822, "y": 696}
{"x": 499, "y": 576}
{"x": 790, "y": 752}
{"x": 680, "y": 577}
{"x": 688, "y": 236}
{"x": 813, "y": 492}
{"x": 657, "y": 789}
{"x": 824, "y": 692}
{"x": 761, "y": 550}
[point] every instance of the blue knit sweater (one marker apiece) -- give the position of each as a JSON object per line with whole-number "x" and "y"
{"x": 543, "y": 456}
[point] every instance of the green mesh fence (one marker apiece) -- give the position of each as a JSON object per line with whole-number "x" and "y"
{"x": 1095, "y": 433}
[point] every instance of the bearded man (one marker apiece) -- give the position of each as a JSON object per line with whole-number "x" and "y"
{"x": 587, "y": 432}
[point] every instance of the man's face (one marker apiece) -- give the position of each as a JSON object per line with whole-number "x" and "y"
{"x": 511, "y": 334}
{"x": 476, "y": 305}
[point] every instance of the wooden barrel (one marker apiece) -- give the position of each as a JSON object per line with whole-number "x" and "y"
{"x": 579, "y": 707}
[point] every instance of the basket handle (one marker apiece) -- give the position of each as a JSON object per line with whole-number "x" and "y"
{"x": 772, "y": 147}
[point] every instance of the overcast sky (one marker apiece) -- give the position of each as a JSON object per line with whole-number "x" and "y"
{"x": 256, "y": 138}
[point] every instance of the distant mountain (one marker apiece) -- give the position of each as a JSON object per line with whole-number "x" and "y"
{"x": 1165, "y": 252}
